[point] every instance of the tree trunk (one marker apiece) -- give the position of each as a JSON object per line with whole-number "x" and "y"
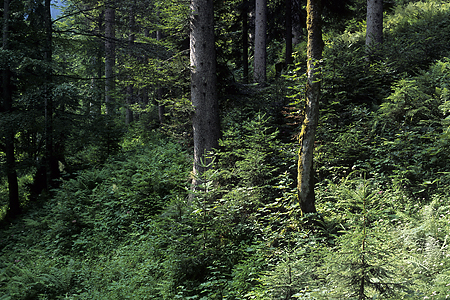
{"x": 245, "y": 40}
{"x": 95, "y": 104}
{"x": 374, "y": 31}
{"x": 110, "y": 54}
{"x": 144, "y": 91}
{"x": 13, "y": 187}
{"x": 160, "y": 89}
{"x": 259, "y": 72}
{"x": 130, "y": 89}
{"x": 288, "y": 54}
{"x": 161, "y": 107}
{"x": 50, "y": 158}
{"x": 205, "y": 119}
{"x": 307, "y": 136}
{"x": 130, "y": 101}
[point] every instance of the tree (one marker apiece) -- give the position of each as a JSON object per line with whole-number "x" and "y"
{"x": 130, "y": 89}
{"x": 13, "y": 188}
{"x": 205, "y": 120}
{"x": 288, "y": 53}
{"x": 259, "y": 72}
{"x": 374, "y": 31}
{"x": 244, "y": 12}
{"x": 50, "y": 157}
{"x": 110, "y": 53}
{"x": 307, "y": 136}
{"x": 160, "y": 90}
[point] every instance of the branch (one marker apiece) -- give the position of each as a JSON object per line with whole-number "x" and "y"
{"x": 79, "y": 11}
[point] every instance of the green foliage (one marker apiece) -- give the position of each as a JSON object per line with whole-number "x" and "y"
{"x": 349, "y": 78}
{"x": 128, "y": 227}
{"x": 412, "y": 40}
{"x": 23, "y": 182}
{"x": 363, "y": 262}
{"x": 366, "y": 254}
{"x": 403, "y": 142}
{"x": 105, "y": 204}
{"x": 249, "y": 163}
{"x": 94, "y": 141}
{"x": 219, "y": 227}
{"x": 413, "y": 130}
{"x": 36, "y": 278}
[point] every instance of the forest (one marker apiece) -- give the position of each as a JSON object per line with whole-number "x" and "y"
{"x": 225, "y": 149}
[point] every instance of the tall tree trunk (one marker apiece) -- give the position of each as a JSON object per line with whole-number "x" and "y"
{"x": 50, "y": 158}
{"x": 13, "y": 187}
{"x": 160, "y": 89}
{"x": 95, "y": 104}
{"x": 307, "y": 136}
{"x": 288, "y": 54}
{"x": 259, "y": 72}
{"x": 245, "y": 40}
{"x": 144, "y": 91}
{"x": 130, "y": 89}
{"x": 374, "y": 31}
{"x": 205, "y": 118}
{"x": 110, "y": 54}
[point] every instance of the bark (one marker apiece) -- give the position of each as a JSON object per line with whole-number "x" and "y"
{"x": 110, "y": 54}
{"x": 307, "y": 136}
{"x": 95, "y": 104}
{"x": 288, "y": 54}
{"x": 144, "y": 91}
{"x": 13, "y": 187}
{"x": 130, "y": 89}
{"x": 245, "y": 40}
{"x": 160, "y": 89}
{"x": 130, "y": 101}
{"x": 259, "y": 72}
{"x": 374, "y": 31}
{"x": 161, "y": 107}
{"x": 205, "y": 119}
{"x": 50, "y": 158}
{"x": 5, "y": 28}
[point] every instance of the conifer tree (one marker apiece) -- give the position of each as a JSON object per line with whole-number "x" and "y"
{"x": 205, "y": 120}
{"x": 288, "y": 37}
{"x": 259, "y": 72}
{"x": 130, "y": 88}
{"x": 50, "y": 155}
{"x": 374, "y": 31}
{"x": 245, "y": 28}
{"x": 13, "y": 188}
{"x": 307, "y": 136}
{"x": 110, "y": 55}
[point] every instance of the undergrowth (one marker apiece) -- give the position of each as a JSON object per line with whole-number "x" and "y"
{"x": 129, "y": 226}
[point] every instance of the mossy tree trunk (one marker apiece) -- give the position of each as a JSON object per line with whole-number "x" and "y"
{"x": 307, "y": 136}
{"x": 205, "y": 119}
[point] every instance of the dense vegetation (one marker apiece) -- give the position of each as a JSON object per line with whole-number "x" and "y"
{"x": 123, "y": 223}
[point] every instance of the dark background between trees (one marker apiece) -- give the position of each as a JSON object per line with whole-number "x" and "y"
{"x": 103, "y": 106}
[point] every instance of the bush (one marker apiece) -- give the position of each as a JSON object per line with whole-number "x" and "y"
{"x": 101, "y": 206}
